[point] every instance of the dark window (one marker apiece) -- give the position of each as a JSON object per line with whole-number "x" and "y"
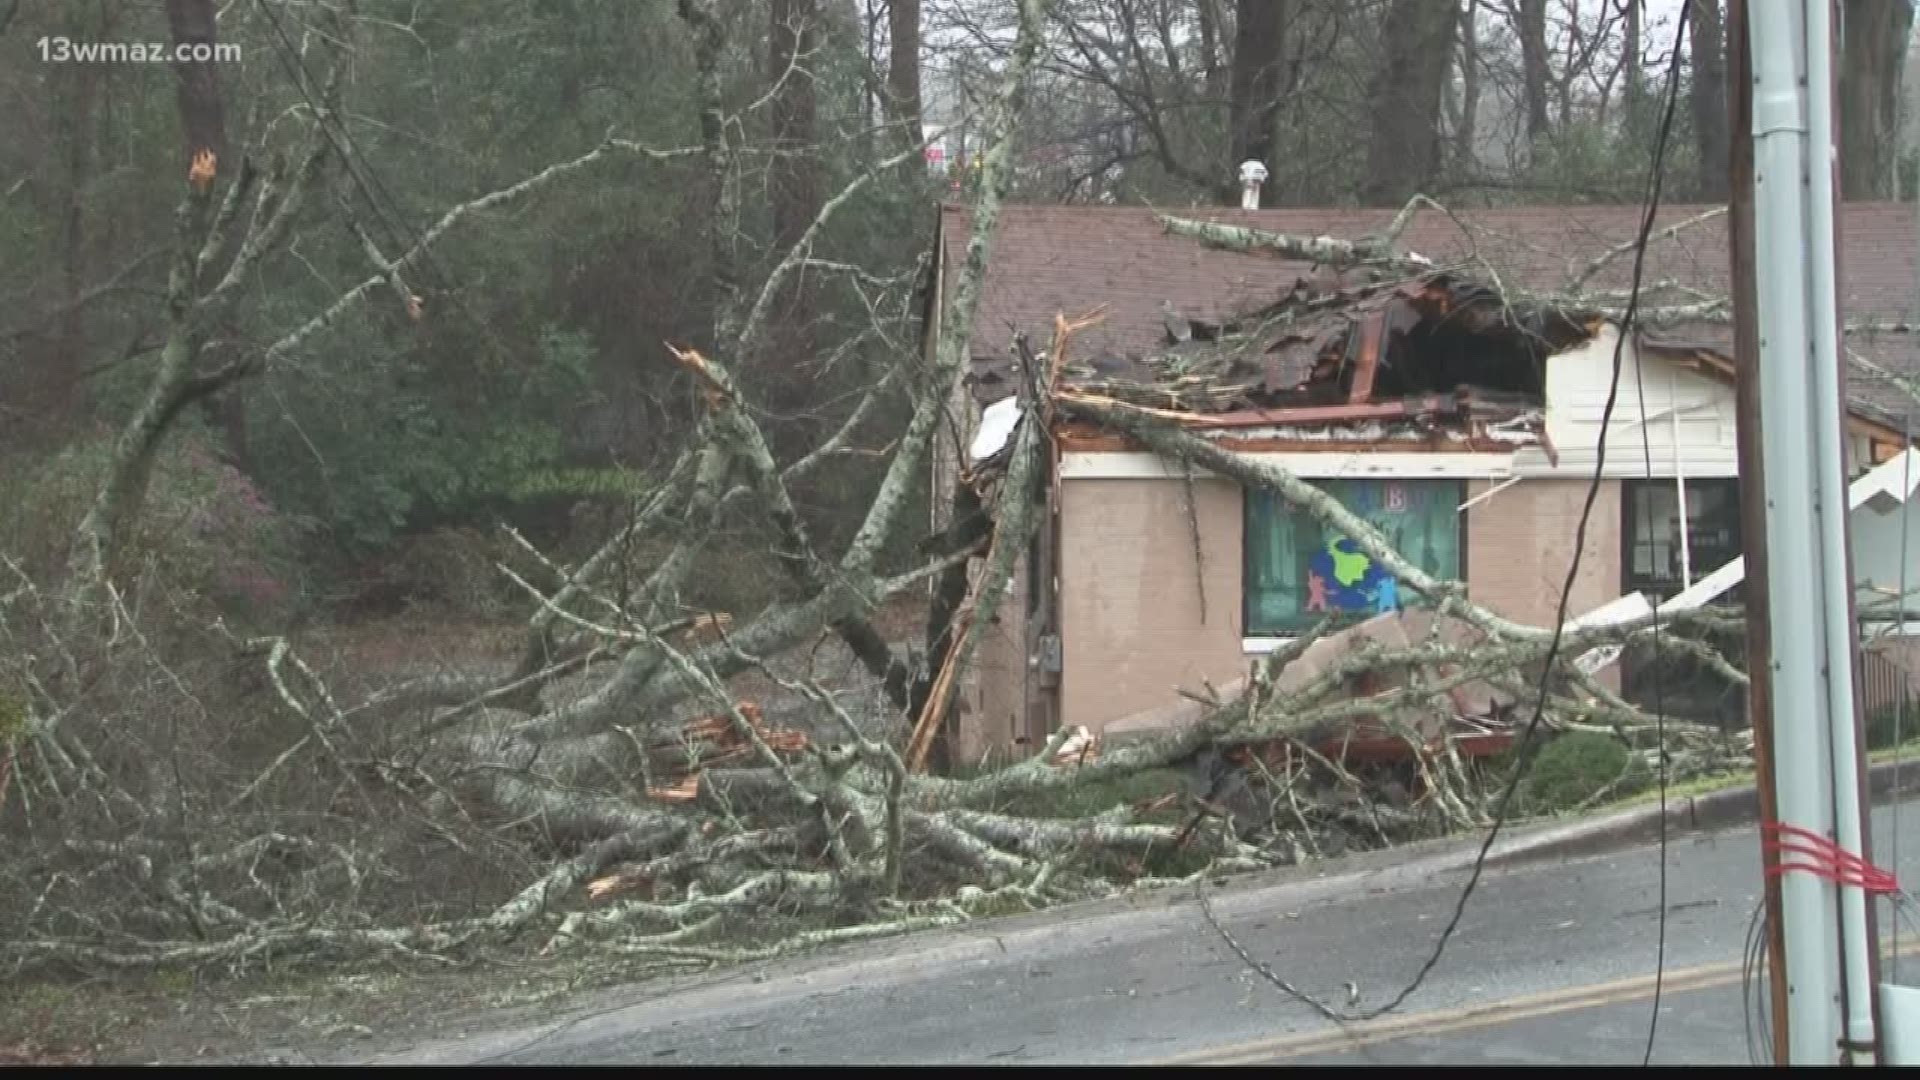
{"x": 1297, "y": 571}
{"x": 1651, "y": 523}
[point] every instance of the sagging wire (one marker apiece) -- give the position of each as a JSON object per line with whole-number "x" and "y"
{"x": 1680, "y": 500}
{"x": 1524, "y": 760}
{"x": 1754, "y": 959}
{"x": 1906, "y": 681}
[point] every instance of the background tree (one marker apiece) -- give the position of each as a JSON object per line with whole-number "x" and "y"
{"x": 1403, "y": 154}
{"x": 489, "y": 431}
{"x": 1258, "y": 79}
{"x": 1706, "y": 38}
{"x": 1530, "y": 22}
{"x": 1873, "y": 42}
{"x": 903, "y": 62}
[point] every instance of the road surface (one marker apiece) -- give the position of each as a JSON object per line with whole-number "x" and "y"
{"x": 1552, "y": 964}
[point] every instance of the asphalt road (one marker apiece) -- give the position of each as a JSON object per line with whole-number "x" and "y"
{"x": 1552, "y": 964}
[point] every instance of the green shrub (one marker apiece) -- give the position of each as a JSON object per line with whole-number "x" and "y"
{"x": 1573, "y": 768}
{"x": 456, "y": 569}
{"x": 13, "y": 714}
{"x": 1887, "y": 725}
{"x": 205, "y": 526}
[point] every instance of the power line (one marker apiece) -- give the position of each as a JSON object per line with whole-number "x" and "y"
{"x": 1655, "y": 181}
{"x": 1523, "y": 762}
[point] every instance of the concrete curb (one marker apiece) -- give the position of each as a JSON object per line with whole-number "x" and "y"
{"x": 1714, "y": 810}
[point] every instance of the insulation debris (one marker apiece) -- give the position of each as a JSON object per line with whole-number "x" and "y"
{"x": 997, "y": 424}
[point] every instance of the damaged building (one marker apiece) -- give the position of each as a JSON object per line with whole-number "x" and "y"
{"x": 1456, "y": 417}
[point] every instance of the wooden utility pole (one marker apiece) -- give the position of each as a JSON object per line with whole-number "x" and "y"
{"x": 1753, "y": 507}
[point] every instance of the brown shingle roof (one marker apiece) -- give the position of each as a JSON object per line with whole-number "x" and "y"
{"x": 1071, "y": 259}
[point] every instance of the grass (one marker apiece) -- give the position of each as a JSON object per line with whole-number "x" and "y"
{"x": 1703, "y": 785}
{"x": 1086, "y": 799}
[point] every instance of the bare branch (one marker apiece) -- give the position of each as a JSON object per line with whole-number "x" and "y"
{"x": 1578, "y": 281}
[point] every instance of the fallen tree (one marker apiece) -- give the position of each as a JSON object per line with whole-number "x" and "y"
{"x": 655, "y": 812}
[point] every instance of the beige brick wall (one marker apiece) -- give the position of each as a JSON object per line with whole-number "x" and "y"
{"x": 1131, "y": 627}
{"x": 1130, "y": 612}
{"x": 1520, "y": 541}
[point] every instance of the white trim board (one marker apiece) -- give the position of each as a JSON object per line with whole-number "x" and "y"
{"x": 1625, "y": 461}
{"x": 1311, "y": 465}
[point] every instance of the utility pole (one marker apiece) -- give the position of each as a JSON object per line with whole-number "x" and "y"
{"x": 1827, "y": 954}
{"x": 1753, "y": 510}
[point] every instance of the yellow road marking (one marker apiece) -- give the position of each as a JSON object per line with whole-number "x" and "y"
{"x": 1467, "y": 1018}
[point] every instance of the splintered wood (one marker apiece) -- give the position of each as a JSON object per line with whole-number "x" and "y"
{"x": 709, "y": 742}
{"x": 953, "y": 659}
{"x": 1079, "y": 747}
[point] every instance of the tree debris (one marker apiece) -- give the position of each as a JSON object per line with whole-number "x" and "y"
{"x": 678, "y": 822}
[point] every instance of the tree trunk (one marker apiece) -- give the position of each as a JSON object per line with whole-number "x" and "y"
{"x": 202, "y": 118}
{"x": 1707, "y": 34}
{"x": 1207, "y": 14}
{"x": 903, "y": 63}
{"x": 119, "y": 502}
{"x": 1466, "y": 132}
{"x": 1404, "y": 152}
{"x": 718, "y": 188}
{"x": 793, "y": 177}
{"x": 1259, "y": 38}
{"x": 1530, "y": 21}
{"x": 1631, "y": 83}
{"x": 61, "y": 377}
{"x": 203, "y": 128}
{"x": 1874, "y": 44}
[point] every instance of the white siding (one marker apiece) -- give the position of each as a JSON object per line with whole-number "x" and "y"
{"x": 1686, "y": 412}
{"x": 1876, "y": 534}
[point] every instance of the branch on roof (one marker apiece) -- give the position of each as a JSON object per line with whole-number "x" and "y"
{"x": 1715, "y": 310}
{"x": 1379, "y": 249}
{"x": 1576, "y": 282}
{"x": 1582, "y": 309}
{"x": 1164, "y": 434}
{"x": 1903, "y": 383}
{"x": 1883, "y": 328}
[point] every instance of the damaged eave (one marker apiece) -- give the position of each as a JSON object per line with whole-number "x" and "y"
{"x": 1885, "y": 438}
{"x": 1435, "y": 423}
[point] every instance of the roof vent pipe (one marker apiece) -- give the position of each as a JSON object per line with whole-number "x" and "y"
{"x": 1252, "y": 175}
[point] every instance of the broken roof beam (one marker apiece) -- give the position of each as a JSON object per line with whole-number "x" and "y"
{"x": 1425, "y": 405}
{"x": 1373, "y": 341}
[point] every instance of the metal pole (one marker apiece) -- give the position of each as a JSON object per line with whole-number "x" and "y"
{"x": 1804, "y": 767}
{"x": 1753, "y": 512}
{"x": 1830, "y": 509}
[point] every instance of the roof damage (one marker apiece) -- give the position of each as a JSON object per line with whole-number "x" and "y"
{"x": 1440, "y": 360}
{"x": 1064, "y": 258}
